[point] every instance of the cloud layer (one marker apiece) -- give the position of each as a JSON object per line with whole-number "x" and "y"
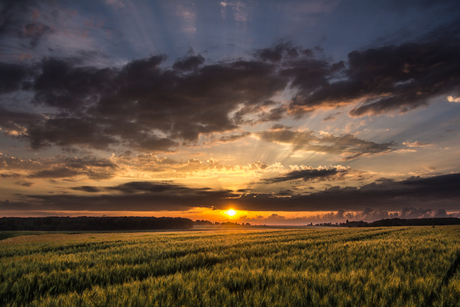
{"x": 430, "y": 192}
{"x": 148, "y": 106}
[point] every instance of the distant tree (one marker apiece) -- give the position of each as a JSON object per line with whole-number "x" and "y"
{"x": 94, "y": 223}
{"x": 202, "y": 222}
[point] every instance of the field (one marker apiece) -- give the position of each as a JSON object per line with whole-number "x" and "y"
{"x": 398, "y": 266}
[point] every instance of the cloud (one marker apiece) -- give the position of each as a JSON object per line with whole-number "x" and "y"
{"x": 63, "y": 172}
{"x": 24, "y": 183}
{"x": 310, "y": 174}
{"x": 19, "y": 19}
{"x": 16, "y": 123}
{"x": 388, "y": 79}
{"x": 12, "y": 77}
{"x": 331, "y": 116}
{"x": 431, "y": 192}
{"x": 136, "y": 166}
{"x": 340, "y": 216}
{"x": 62, "y": 85}
{"x": 255, "y": 114}
{"x": 170, "y": 168}
{"x": 233, "y": 137}
{"x": 89, "y": 189}
{"x": 146, "y": 186}
{"x": 280, "y": 127}
{"x": 431, "y": 195}
{"x": 59, "y": 167}
{"x": 415, "y": 144}
{"x": 349, "y": 146}
{"x": 189, "y": 63}
{"x": 414, "y": 213}
{"x": 453, "y": 99}
{"x": 68, "y": 132}
{"x": 145, "y": 106}
{"x": 280, "y": 51}
{"x": 10, "y": 175}
{"x": 152, "y": 108}
{"x": 35, "y": 31}
{"x": 131, "y": 196}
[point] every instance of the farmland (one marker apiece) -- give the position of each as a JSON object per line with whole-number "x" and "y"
{"x": 399, "y": 266}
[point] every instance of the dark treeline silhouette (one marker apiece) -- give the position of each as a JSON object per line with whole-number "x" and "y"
{"x": 405, "y": 222}
{"x": 84, "y": 223}
{"x": 203, "y": 223}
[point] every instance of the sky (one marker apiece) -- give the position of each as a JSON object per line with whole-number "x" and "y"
{"x": 289, "y": 112}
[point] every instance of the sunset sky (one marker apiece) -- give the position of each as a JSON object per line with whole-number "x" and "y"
{"x": 289, "y": 112}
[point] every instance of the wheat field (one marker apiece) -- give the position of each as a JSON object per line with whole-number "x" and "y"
{"x": 399, "y": 266}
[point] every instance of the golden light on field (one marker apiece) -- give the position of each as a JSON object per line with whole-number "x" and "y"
{"x": 230, "y": 212}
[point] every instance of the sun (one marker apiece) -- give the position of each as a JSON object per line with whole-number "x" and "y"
{"x": 230, "y": 212}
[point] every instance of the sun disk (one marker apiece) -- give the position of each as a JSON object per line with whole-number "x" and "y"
{"x": 230, "y": 212}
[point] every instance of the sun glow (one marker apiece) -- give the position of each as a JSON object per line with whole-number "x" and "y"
{"x": 230, "y": 212}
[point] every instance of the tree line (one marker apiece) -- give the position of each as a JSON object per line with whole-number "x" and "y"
{"x": 404, "y": 222}
{"x": 85, "y": 223}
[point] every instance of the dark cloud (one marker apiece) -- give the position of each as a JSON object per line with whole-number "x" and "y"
{"x": 255, "y": 114}
{"x": 62, "y": 172}
{"x": 89, "y": 189}
{"x": 19, "y": 19}
{"x": 145, "y": 106}
{"x": 309, "y": 174}
{"x": 432, "y": 192}
{"x": 280, "y": 51}
{"x": 62, "y": 85}
{"x": 16, "y": 123}
{"x": 432, "y": 196}
{"x": 24, "y": 183}
{"x": 349, "y": 146}
{"x": 10, "y": 175}
{"x": 244, "y": 190}
{"x": 152, "y": 187}
{"x": 233, "y": 137}
{"x": 280, "y": 127}
{"x": 10, "y": 12}
{"x": 89, "y": 162}
{"x": 152, "y": 108}
{"x": 133, "y": 196}
{"x": 67, "y": 132}
{"x": 387, "y": 79}
{"x": 189, "y": 63}
{"x": 308, "y": 75}
{"x": 286, "y": 192}
{"x": 12, "y": 77}
{"x": 153, "y": 144}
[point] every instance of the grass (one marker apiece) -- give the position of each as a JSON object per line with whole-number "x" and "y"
{"x": 400, "y": 266}
{"x": 11, "y": 234}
